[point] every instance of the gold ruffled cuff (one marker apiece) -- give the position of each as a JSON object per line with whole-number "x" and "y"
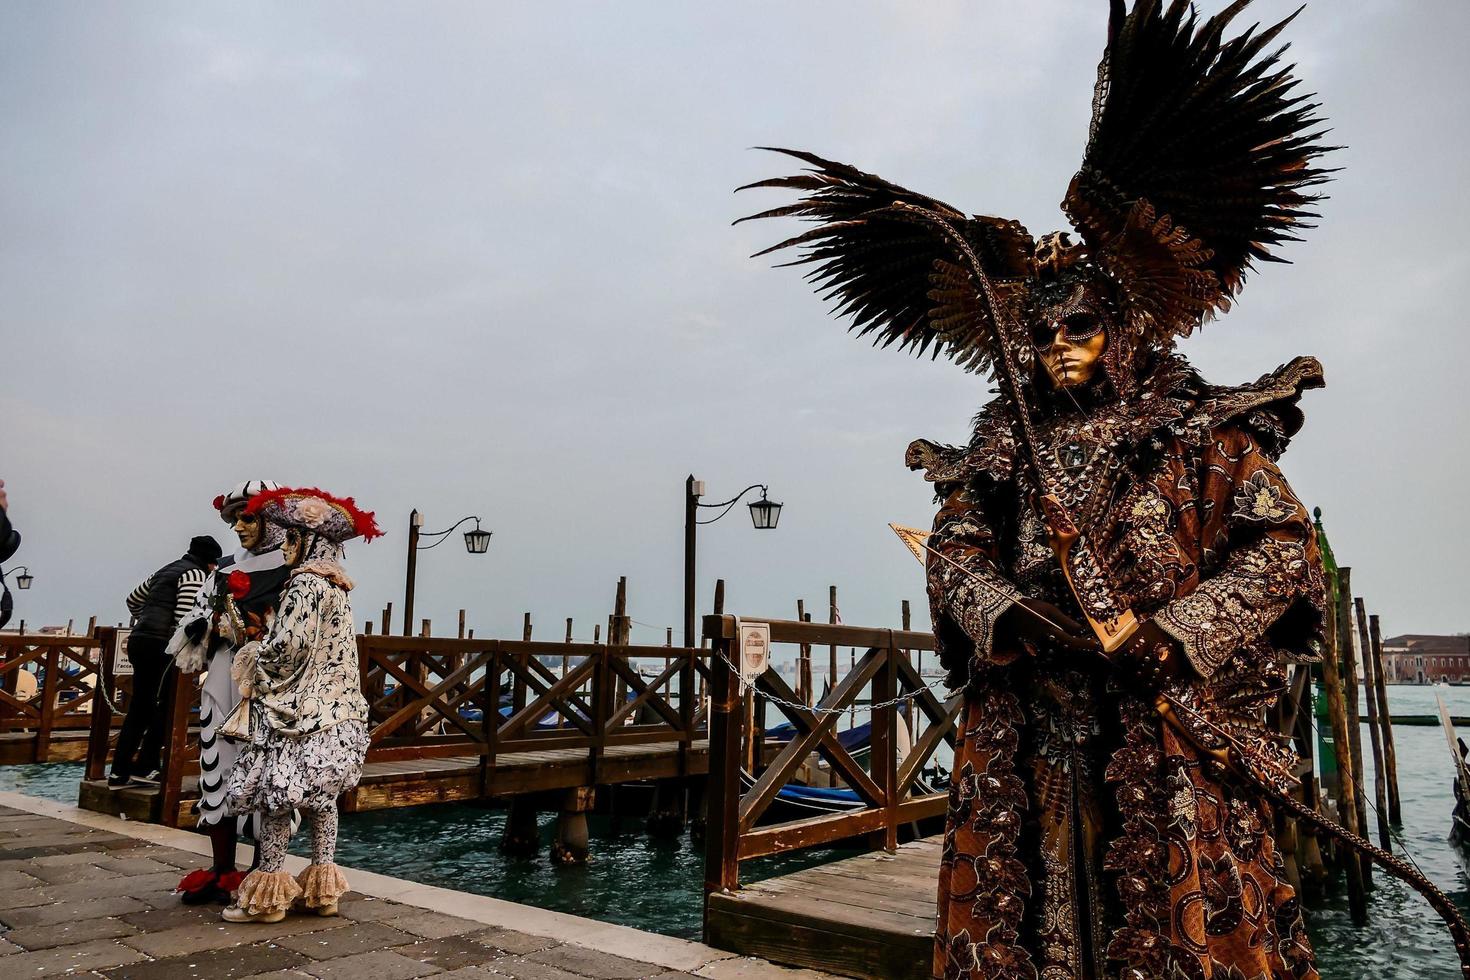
{"x": 322, "y": 885}
{"x": 262, "y": 892}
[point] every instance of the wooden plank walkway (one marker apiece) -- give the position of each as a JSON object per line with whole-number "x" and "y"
{"x": 387, "y": 785}
{"x": 866, "y": 916}
{"x": 90, "y": 899}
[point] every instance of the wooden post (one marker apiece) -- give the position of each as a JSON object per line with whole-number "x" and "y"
{"x": 367, "y": 628}
{"x": 722, "y": 837}
{"x": 41, "y": 747}
{"x": 1309, "y": 848}
{"x": 490, "y": 718}
{"x": 906, "y": 619}
{"x": 461, "y": 624}
{"x": 884, "y": 764}
{"x": 424, "y": 630}
{"x": 100, "y": 735}
{"x": 526, "y": 627}
{"x": 621, "y": 627}
{"x": 1375, "y": 728}
{"x": 387, "y": 619}
{"x": 1350, "y": 689}
{"x": 596, "y": 633}
{"x": 1347, "y": 783}
{"x": 832, "y": 648}
{"x": 92, "y": 626}
{"x": 803, "y": 660}
{"x": 1385, "y": 722}
{"x": 177, "y": 736}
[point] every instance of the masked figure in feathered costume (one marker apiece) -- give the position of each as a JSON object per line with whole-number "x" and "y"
{"x": 1085, "y": 838}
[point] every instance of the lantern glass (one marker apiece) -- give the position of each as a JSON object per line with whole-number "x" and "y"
{"x": 477, "y": 542}
{"x": 765, "y": 513}
{"x": 24, "y": 581}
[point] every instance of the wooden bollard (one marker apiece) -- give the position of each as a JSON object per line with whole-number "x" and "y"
{"x": 522, "y": 834}
{"x": 1350, "y": 688}
{"x": 1385, "y": 722}
{"x": 571, "y": 844}
{"x": 1375, "y": 732}
{"x": 1347, "y": 803}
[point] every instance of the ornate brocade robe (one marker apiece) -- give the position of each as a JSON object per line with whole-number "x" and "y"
{"x": 1084, "y": 839}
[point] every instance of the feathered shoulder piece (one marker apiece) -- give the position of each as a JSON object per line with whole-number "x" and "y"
{"x": 1199, "y": 161}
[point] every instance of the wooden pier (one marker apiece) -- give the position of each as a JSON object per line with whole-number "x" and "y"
{"x": 47, "y": 685}
{"x": 468, "y": 719}
{"x": 867, "y": 916}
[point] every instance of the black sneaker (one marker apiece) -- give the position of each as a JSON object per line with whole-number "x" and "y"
{"x": 119, "y": 782}
{"x": 153, "y": 777}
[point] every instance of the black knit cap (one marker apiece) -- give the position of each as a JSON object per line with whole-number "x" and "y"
{"x": 205, "y": 548}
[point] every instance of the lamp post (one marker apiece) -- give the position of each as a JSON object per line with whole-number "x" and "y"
{"x": 476, "y": 542}
{"x": 23, "y": 577}
{"x": 764, "y": 513}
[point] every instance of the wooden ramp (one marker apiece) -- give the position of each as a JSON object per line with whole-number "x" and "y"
{"x": 387, "y": 785}
{"x": 865, "y": 916}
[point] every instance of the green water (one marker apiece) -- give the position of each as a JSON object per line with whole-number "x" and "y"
{"x": 656, "y": 885}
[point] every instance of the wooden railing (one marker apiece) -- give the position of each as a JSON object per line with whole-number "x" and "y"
{"x": 47, "y": 686}
{"x": 439, "y": 697}
{"x": 887, "y": 787}
{"x": 432, "y": 697}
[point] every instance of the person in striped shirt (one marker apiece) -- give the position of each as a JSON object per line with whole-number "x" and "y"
{"x": 156, "y": 605}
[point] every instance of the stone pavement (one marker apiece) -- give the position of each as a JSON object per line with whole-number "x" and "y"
{"x": 86, "y": 895}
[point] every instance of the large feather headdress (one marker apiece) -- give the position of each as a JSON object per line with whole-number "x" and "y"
{"x": 1199, "y": 161}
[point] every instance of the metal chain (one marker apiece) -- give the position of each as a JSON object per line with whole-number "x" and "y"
{"x": 813, "y": 709}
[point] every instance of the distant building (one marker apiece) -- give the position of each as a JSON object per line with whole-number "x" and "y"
{"x": 1423, "y": 658}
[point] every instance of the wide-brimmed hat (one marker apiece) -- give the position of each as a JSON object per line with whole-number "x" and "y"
{"x": 316, "y": 511}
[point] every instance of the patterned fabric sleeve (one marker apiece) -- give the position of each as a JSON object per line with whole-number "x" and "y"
{"x": 138, "y": 596}
{"x": 964, "y": 536}
{"x": 189, "y": 585}
{"x": 1259, "y": 542}
{"x": 296, "y": 629}
{"x": 189, "y": 644}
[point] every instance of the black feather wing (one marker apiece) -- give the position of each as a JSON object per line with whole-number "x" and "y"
{"x": 1212, "y": 133}
{"x": 896, "y": 279}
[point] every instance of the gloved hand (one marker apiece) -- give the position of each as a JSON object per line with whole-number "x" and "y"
{"x": 242, "y": 668}
{"x": 1039, "y": 625}
{"x": 1152, "y": 659}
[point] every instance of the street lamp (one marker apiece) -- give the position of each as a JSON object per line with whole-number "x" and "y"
{"x": 23, "y": 577}
{"x": 764, "y": 513}
{"x": 476, "y": 542}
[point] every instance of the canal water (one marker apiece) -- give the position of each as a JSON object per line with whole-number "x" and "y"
{"x": 656, "y": 885}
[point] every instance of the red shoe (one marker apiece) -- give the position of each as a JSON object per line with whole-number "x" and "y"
{"x": 206, "y": 885}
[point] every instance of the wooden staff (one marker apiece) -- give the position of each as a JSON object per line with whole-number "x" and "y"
{"x": 1347, "y": 800}
{"x": 1375, "y": 736}
{"x": 1350, "y": 697}
{"x": 1385, "y": 721}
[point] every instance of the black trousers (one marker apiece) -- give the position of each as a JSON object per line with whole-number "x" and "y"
{"x": 140, "y": 742}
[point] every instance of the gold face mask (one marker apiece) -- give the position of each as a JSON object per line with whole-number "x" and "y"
{"x": 248, "y": 528}
{"x": 1070, "y": 338}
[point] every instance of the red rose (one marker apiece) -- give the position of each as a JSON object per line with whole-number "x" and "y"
{"x": 219, "y": 502}
{"x": 239, "y": 584}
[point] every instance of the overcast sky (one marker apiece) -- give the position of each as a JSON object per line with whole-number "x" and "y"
{"x": 477, "y": 258}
